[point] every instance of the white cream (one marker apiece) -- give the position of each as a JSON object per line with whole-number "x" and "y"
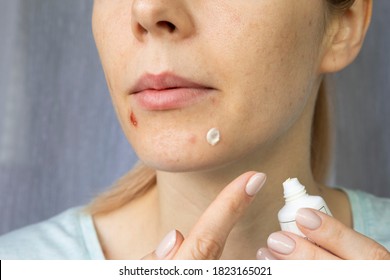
{"x": 213, "y": 136}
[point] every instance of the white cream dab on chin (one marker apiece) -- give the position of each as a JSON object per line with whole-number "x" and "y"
{"x": 213, "y": 136}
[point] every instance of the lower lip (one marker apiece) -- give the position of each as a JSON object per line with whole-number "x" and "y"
{"x": 170, "y": 99}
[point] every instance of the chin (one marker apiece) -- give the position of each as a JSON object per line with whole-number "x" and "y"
{"x": 183, "y": 163}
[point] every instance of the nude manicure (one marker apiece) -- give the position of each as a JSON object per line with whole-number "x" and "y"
{"x": 255, "y": 183}
{"x": 263, "y": 254}
{"x": 308, "y": 219}
{"x": 166, "y": 245}
{"x": 281, "y": 243}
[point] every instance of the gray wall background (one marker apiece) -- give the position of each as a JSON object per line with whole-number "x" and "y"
{"x": 60, "y": 143}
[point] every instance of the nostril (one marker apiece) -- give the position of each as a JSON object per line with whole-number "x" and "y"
{"x": 168, "y": 25}
{"x": 140, "y": 29}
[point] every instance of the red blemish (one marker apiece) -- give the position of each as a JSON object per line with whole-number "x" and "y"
{"x": 133, "y": 119}
{"x": 192, "y": 139}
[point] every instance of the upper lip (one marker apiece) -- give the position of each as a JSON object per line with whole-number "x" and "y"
{"x": 163, "y": 81}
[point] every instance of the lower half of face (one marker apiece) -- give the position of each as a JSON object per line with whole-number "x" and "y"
{"x": 257, "y": 67}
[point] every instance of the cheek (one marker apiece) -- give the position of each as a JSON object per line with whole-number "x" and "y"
{"x": 271, "y": 75}
{"x": 112, "y": 33}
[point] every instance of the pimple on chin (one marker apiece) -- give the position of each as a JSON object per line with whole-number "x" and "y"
{"x": 192, "y": 139}
{"x": 133, "y": 119}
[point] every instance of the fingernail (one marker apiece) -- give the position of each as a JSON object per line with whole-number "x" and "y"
{"x": 166, "y": 245}
{"x": 281, "y": 243}
{"x": 308, "y": 219}
{"x": 255, "y": 183}
{"x": 263, "y": 254}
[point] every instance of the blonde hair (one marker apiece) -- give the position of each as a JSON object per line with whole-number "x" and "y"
{"x": 133, "y": 184}
{"x": 141, "y": 178}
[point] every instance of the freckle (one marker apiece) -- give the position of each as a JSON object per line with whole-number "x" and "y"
{"x": 133, "y": 119}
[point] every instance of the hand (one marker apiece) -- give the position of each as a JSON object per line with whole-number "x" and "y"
{"x": 207, "y": 238}
{"x": 332, "y": 240}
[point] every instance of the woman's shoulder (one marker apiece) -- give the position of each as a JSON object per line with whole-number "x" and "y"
{"x": 69, "y": 235}
{"x": 371, "y": 215}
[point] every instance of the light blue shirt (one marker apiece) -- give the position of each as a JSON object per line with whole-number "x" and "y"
{"x": 72, "y": 235}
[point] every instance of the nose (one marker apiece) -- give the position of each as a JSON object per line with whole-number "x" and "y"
{"x": 159, "y": 18}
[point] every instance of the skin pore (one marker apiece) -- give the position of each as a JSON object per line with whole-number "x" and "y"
{"x": 263, "y": 61}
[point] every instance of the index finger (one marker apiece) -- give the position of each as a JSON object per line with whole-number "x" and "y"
{"x": 207, "y": 238}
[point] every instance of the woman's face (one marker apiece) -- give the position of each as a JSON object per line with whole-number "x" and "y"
{"x": 176, "y": 69}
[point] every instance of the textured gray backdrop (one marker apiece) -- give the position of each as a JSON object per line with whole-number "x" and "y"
{"x": 60, "y": 143}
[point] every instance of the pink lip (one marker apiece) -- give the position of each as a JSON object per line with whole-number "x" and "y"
{"x": 167, "y": 91}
